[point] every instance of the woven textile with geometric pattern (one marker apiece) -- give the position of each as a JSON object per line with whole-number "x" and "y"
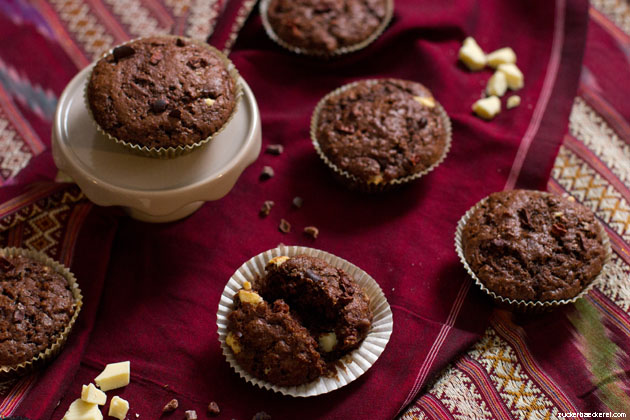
{"x": 500, "y": 376}
{"x": 151, "y": 291}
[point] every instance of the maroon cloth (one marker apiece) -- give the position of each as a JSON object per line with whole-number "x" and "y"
{"x": 552, "y": 339}
{"x": 157, "y": 305}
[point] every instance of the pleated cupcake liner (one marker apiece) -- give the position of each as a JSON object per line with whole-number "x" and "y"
{"x": 520, "y": 305}
{"x": 352, "y": 181}
{"x": 13, "y": 371}
{"x": 264, "y": 7}
{"x": 350, "y": 366}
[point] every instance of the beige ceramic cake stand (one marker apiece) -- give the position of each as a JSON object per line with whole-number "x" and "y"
{"x": 149, "y": 189}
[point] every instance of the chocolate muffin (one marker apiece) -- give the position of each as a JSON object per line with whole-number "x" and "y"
{"x": 162, "y": 92}
{"x": 533, "y": 246}
{"x": 271, "y": 344}
{"x": 36, "y": 306}
{"x": 327, "y": 300}
{"x": 381, "y": 132}
{"x": 318, "y": 315}
{"x": 326, "y": 26}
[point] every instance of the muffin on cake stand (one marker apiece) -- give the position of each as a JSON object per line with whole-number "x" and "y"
{"x": 149, "y": 189}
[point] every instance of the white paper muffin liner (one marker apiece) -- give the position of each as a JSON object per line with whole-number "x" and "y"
{"x": 529, "y": 306}
{"x": 264, "y": 6}
{"x": 12, "y": 371}
{"x": 350, "y": 366}
{"x": 169, "y": 152}
{"x": 352, "y": 181}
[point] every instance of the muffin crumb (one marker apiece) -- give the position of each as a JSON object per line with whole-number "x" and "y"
{"x": 266, "y": 173}
{"x": 284, "y": 226}
{"x": 213, "y": 409}
{"x": 311, "y": 231}
{"x": 170, "y": 406}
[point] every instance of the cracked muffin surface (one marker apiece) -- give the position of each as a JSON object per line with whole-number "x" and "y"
{"x": 534, "y": 246}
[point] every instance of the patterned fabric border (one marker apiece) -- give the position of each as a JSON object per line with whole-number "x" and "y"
{"x": 47, "y": 218}
{"x": 12, "y": 392}
{"x": 496, "y": 379}
{"x": 516, "y": 339}
{"x": 617, "y": 11}
{"x": 439, "y": 341}
{"x": 241, "y": 17}
{"x": 593, "y": 166}
{"x": 18, "y": 142}
{"x": 202, "y": 18}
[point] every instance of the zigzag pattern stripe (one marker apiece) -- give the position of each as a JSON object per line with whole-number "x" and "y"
{"x": 136, "y": 18}
{"x": 87, "y": 30}
{"x": 41, "y": 102}
{"x": 593, "y": 191}
{"x": 203, "y": 15}
{"x": 591, "y": 129}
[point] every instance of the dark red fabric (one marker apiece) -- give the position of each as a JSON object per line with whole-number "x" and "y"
{"x": 605, "y": 67}
{"x": 553, "y": 123}
{"x": 89, "y": 265}
{"x": 160, "y": 295}
{"x": 552, "y": 338}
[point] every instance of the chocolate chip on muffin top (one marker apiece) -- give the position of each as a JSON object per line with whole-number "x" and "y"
{"x": 533, "y": 246}
{"x": 161, "y": 92}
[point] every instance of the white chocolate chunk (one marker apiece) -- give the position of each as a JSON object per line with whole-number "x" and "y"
{"x": 209, "y": 101}
{"x": 118, "y": 408}
{"x": 501, "y": 56}
{"x": 376, "y": 179}
{"x": 81, "y": 410}
{"x": 472, "y": 55}
{"x": 115, "y": 375}
{"x": 513, "y": 75}
{"x": 425, "y": 100}
{"x": 232, "y": 341}
{"x": 328, "y": 341}
{"x": 278, "y": 261}
{"x": 487, "y": 108}
{"x": 513, "y": 101}
{"x": 93, "y": 395}
{"x": 497, "y": 85}
{"x": 246, "y": 296}
{"x": 247, "y": 285}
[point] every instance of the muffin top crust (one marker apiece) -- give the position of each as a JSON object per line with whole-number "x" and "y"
{"x": 382, "y": 130}
{"x": 325, "y": 25}
{"x": 161, "y": 92}
{"x": 533, "y": 246}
